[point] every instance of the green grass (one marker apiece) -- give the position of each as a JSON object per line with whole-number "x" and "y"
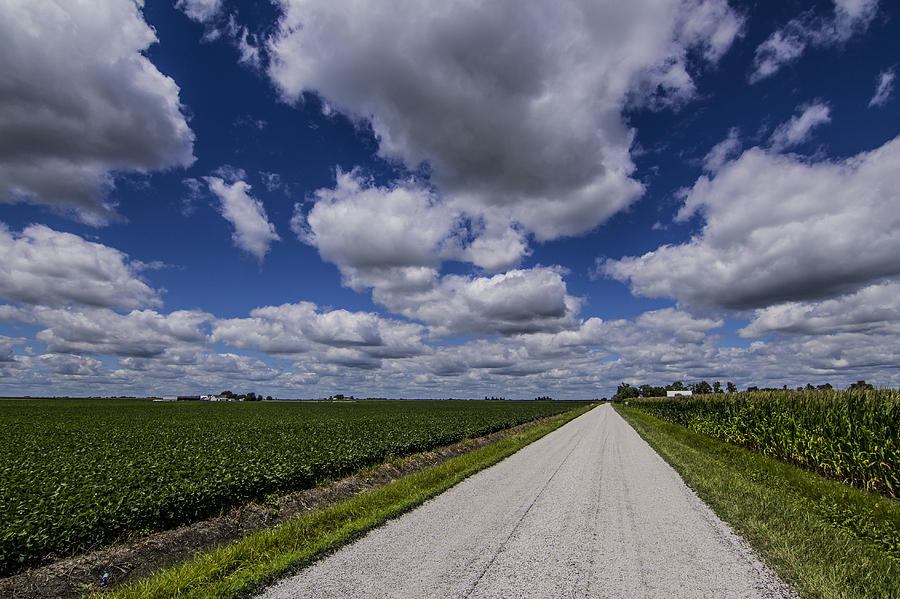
{"x": 827, "y": 539}
{"x": 260, "y": 558}
{"x": 78, "y": 474}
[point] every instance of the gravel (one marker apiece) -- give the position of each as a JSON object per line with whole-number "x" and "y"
{"x": 590, "y": 510}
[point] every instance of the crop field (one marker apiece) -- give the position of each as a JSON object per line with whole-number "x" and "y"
{"x": 850, "y": 436}
{"x": 80, "y": 473}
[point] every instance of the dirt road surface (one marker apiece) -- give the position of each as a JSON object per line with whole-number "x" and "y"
{"x": 590, "y": 510}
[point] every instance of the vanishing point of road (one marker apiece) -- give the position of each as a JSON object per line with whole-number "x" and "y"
{"x": 589, "y": 510}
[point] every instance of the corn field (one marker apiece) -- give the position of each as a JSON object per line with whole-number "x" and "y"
{"x": 850, "y": 436}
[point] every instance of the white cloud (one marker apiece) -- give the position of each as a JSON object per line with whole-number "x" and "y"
{"x": 376, "y": 233}
{"x": 787, "y": 44}
{"x": 71, "y": 365}
{"x": 393, "y": 240}
{"x": 202, "y": 11}
{"x": 518, "y": 301}
{"x": 43, "y": 266}
{"x": 79, "y": 101}
{"x": 246, "y": 43}
{"x": 141, "y": 333}
{"x": 884, "y": 89}
{"x": 496, "y": 249}
{"x": 302, "y": 327}
{"x": 6, "y": 347}
{"x": 723, "y": 151}
{"x": 517, "y": 110}
{"x": 343, "y": 353}
{"x": 272, "y": 181}
{"x": 231, "y": 366}
{"x": 253, "y": 232}
{"x": 872, "y": 309}
{"x": 219, "y": 24}
{"x": 593, "y": 353}
{"x": 779, "y": 229}
{"x": 683, "y": 326}
{"x": 799, "y": 128}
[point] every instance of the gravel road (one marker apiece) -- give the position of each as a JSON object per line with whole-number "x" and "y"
{"x": 590, "y": 510}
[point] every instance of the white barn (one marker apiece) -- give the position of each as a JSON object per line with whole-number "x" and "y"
{"x": 677, "y": 393}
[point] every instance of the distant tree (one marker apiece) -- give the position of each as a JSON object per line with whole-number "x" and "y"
{"x": 809, "y": 387}
{"x": 731, "y": 387}
{"x": 268, "y": 398}
{"x": 701, "y": 388}
{"x": 626, "y": 391}
{"x": 676, "y": 386}
{"x": 753, "y": 388}
{"x": 651, "y": 391}
{"x": 825, "y": 387}
{"x": 717, "y": 387}
{"x": 543, "y": 398}
{"x": 861, "y": 386}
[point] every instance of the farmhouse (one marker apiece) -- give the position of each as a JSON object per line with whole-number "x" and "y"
{"x": 676, "y": 393}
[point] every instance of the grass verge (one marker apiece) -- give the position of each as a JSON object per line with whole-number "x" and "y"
{"x": 241, "y": 567}
{"x": 828, "y": 540}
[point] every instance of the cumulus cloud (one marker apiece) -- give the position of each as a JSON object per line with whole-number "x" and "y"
{"x": 875, "y": 308}
{"x": 518, "y": 111}
{"x": 253, "y": 232}
{"x": 683, "y": 326}
{"x": 140, "y": 333}
{"x": 799, "y": 128}
{"x": 788, "y": 44}
{"x": 884, "y": 89}
{"x": 518, "y": 301}
{"x": 723, "y": 151}
{"x": 497, "y": 249}
{"x": 393, "y": 239}
{"x": 47, "y": 267}
{"x": 79, "y": 102}
{"x": 594, "y": 352}
{"x": 303, "y": 327}
{"x": 6, "y": 347}
{"x": 342, "y": 352}
{"x": 376, "y": 233}
{"x": 779, "y": 229}
{"x": 71, "y": 365}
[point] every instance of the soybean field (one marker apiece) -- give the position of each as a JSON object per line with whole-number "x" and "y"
{"x": 850, "y": 436}
{"x": 77, "y": 474}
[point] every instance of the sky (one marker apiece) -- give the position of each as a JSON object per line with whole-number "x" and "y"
{"x": 458, "y": 199}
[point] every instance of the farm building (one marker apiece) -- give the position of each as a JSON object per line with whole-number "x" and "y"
{"x": 677, "y": 393}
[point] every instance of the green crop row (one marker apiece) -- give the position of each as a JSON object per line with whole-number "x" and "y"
{"x": 78, "y": 474}
{"x": 850, "y": 436}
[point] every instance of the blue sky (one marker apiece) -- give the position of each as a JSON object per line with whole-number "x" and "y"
{"x": 303, "y": 198}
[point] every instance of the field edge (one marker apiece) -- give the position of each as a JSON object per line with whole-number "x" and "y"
{"x": 239, "y": 568}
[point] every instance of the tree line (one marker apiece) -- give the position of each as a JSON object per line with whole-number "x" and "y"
{"x": 244, "y": 396}
{"x": 626, "y": 391}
